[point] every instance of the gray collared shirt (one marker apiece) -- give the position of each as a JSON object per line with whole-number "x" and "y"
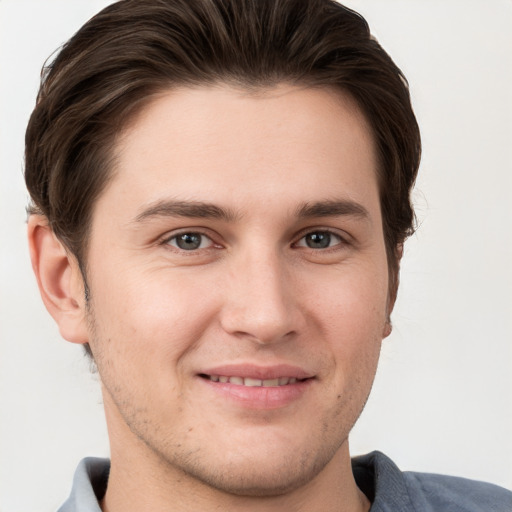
{"x": 388, "y": 488}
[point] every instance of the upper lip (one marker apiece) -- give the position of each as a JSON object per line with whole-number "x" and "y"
{"x": 253, "y": 371}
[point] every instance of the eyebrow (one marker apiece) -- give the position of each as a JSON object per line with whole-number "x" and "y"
{"x": 205, "y": 210}
{"x": 332, "y": 208}
{"x": 192, "y": 209}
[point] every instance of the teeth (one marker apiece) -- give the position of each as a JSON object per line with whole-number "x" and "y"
{"x": 248, "y": 381}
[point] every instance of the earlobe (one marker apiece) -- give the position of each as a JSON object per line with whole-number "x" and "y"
{"x": 386, "y": 331}
{"x": 59, "y": 279}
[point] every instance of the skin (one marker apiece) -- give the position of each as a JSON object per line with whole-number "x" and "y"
{"x": 252, "y": 293}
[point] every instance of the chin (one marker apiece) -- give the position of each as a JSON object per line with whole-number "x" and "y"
{"x": 265, "y": 473}
{"x": 273, "y": 481}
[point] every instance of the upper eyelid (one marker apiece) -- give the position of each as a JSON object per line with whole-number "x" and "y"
{"x": 175, "y": 233}
{"x": 330, "y": 231}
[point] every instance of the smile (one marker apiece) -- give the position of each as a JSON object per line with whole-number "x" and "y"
{"x": 251, "y": 382}
{"x": 256, "y": 387}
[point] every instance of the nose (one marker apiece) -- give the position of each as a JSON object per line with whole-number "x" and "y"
{"x": 259, "y": 300}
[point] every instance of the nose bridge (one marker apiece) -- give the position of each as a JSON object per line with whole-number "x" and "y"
{"x": 259, "y": 300}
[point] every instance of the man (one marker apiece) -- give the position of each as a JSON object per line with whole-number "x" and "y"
{"x": 221, "y": 196}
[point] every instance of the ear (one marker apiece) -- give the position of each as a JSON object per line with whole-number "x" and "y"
{"x": 394, "y": 280}
{"x": 59, "y": 279}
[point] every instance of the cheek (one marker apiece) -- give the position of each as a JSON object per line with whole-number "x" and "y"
{"x": 150, "y": 315}
{"x": 354, "y": 301}
{"x": 352, "y": 316}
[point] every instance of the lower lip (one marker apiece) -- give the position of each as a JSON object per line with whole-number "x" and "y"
{"x": 260, "y": 397}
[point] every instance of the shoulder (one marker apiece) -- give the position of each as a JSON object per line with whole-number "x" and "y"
{"x": 440, "y": 492}
{"x": 89, "y": 486}
{"x": 392, "y": 490}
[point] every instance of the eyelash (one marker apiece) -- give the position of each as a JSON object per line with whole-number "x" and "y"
{"x": 168, "y": 239}
{"x": 341, "y": 241}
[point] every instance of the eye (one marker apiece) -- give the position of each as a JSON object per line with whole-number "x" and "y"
{"x": 319, "y": 240}
{"x": 190, "y": 241}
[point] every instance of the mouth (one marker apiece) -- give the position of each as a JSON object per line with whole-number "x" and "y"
{"x": 253, "y": 386}
{"x": 252, "y": 382}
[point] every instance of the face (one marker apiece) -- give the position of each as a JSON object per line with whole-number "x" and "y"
{"x": 239, "y": 284}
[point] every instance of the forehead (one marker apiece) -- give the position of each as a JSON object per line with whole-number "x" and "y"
{"x": 234, "y": 145}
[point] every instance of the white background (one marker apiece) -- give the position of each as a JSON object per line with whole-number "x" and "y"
{"x": 442, "y": 399}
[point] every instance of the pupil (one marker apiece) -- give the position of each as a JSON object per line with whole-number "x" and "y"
{"x": 318, "y": 240}
{"x": 188, "y": 241}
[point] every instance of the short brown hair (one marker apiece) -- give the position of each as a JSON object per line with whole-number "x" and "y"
{"x": 135, "y": 48}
